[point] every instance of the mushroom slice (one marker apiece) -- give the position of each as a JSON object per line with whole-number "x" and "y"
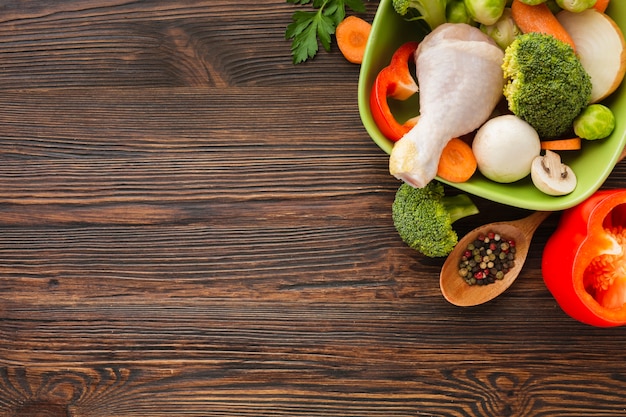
{"x": 551, "y": 176}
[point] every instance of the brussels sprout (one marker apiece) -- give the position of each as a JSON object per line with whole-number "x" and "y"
{"x": 575, "y": 6}
{"x": 486, "y": 12}
{"x": 456, "y": 12}
{"x": 596, "y": 121}
{"x": 504, "y": 30}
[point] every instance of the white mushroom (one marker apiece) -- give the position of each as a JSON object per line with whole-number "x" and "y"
{"x": 505, "y": 147}
{"x": 551, "y": 176}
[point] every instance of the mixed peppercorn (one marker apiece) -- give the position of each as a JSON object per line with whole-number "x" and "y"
{"x": 487, "y": 259}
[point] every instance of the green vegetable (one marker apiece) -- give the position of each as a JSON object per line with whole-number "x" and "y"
{"x": 456, "y": 12}
{"x": 554, "y": 8}
{"x": 423, "y": 217}
{"x": 486, "y": 12}
{"x": 575, "y": 6}
{"x": 546, "y": 85}
{"x": 433, "y": 12}
{"x": 596, "y": 121}
{"x": 504, "y": 31}
{"x": 309, "y": 28}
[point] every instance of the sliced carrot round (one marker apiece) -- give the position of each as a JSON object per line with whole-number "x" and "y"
{"x": 569, "y": 144}
{"x": 352, "y": 34}
{"x": 457, "y": 162}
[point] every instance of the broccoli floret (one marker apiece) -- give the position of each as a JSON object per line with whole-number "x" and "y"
{"x": 433, "y": 12}
{"x": 546, "y": 85}
{"x": 423, "y": 217}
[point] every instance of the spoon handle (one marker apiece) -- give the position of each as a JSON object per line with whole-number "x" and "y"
{"x": 529, "y": 224}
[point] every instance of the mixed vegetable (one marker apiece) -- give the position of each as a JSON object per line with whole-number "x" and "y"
{"x": 558, "y": 97}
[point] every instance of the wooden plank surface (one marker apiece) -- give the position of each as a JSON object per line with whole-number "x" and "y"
{"x": 190, "y": 225}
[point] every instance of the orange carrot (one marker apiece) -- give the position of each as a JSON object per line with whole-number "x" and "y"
{"x": 601, "y": 5}
{"x": 352, "y": 34}
{"x": 457, "y": 162}
{"x": 540, "y": 19}
{"x": 570, "y": 144}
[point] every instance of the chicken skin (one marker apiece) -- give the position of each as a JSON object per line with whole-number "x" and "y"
{"x": 459, "y": 73}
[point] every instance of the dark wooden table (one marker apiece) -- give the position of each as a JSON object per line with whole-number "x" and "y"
{"x": 193, "y": 226}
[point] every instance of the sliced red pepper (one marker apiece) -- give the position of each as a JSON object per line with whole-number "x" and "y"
{"x": 394, "y": 81}
{"x": 584, "y": 261}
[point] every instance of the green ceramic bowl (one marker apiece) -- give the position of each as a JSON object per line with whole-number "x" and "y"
{"x": 592, "y": 164}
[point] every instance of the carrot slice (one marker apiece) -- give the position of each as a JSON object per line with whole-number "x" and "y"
{"x": 601, "y": 5}
{"x": 539, "y": 19}
{"x": 570, "y": 144}
{"x": 352, "y": 34}
{"x": 457, "y": 162}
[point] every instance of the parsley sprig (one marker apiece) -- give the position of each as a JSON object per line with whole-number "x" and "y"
{"x": 310, "y": 28}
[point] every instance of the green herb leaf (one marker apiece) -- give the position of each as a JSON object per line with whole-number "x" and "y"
{"x": 309, "y": 29}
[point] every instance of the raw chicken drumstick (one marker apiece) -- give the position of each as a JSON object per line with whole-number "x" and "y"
{"x": 459, "y": 73}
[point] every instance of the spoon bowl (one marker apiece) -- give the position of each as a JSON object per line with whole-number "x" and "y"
{"x": 453, "y": 286}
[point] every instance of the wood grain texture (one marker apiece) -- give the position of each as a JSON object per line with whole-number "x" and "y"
{"x": 192, "y": 226}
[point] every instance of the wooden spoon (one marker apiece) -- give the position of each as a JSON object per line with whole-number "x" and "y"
{"x": 458, "y": 292}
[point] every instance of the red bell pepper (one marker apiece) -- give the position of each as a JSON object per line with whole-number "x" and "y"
{"x": 394, "y": 81}
{"x": 584, "y": 261}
